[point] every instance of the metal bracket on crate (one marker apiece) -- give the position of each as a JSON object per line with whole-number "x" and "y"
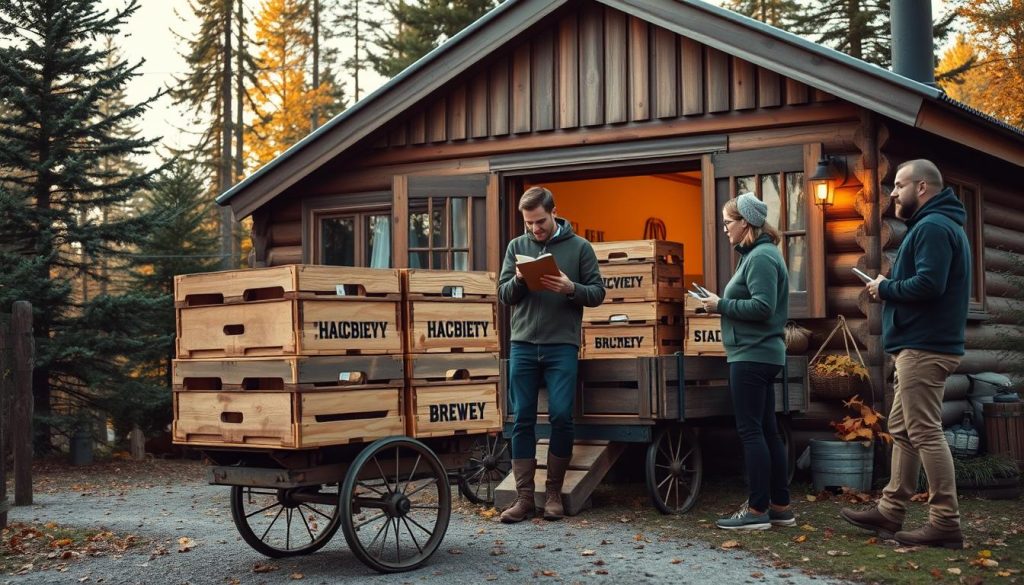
{"x": 682, "y": 387}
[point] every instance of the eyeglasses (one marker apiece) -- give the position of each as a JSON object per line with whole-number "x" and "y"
{"x": 727, "y": 222}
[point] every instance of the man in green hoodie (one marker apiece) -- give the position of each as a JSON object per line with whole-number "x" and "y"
{"x": 545, "y": 339}
{"x": 923, "y": 323}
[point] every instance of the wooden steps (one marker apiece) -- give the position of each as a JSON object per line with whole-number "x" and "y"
{"x": 591, "y": 460}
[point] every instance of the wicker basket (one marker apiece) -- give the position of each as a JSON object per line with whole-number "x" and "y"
{"x": 797, "y": 338}
{"x": 831, "y": 387}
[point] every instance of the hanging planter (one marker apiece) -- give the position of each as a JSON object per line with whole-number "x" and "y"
{"x": 838, "y": 377}
{"x": 797, "y": 338}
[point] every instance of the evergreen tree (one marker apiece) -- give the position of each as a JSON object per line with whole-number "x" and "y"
{"x": 778, "y": 13}
{"x": 282, "y": 109}
{"x": 355, "y": 22}
{"x": 417, "y": 27}
{"x": 55, "y": 134}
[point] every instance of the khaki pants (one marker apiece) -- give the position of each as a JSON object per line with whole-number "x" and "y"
{"x": 915, "y": 423}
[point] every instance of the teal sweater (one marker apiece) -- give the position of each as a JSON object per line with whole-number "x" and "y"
{"x": 755, "y": 305}
{"x": 544, "y": 316}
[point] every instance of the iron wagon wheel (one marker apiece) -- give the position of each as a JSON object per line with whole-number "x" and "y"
{"x": 786, "y": 434}
{"x": 395, "y": 504}
{"x": 674, "y": 469}
{"x": 285, "y": 522}
{"x": 490, "y": 460}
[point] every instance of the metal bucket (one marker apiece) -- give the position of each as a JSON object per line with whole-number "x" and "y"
{"x": 836, "y": 464}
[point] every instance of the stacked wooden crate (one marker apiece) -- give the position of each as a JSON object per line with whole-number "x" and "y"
{"x": 288, "y": 357}
{"x": 642, "y": 313}
{"x": 452, "y": 355}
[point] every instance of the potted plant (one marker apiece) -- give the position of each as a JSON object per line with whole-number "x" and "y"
{"x": 837, "y": 376}
{"x": 848, "y": 462}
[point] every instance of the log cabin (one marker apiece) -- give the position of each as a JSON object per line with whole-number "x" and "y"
{"x": 645, "y": 115}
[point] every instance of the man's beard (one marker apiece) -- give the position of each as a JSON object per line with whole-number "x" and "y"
{"x": 906, "y": 211}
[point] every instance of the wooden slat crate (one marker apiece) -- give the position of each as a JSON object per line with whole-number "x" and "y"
{"x": 284, "y": 282}
{"x": 704, "y": 335}
{"x": 451, "y": 394}
{"x": 643, "y": 281}
{"x": 629, "y": 341}
{"x": 286, "y": 420}
{"x": 313, "y": 373}
{"x": 451, "y": 284}
{"x": 639, "y": 251}
{"x": 642, "y": 313}
{"x": 451, "y": 326}
{"x": 337, "y": 326}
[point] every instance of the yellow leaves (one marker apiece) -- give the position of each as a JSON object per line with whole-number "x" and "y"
{"x": 731, "y": 544}
{"x": 840, "y": 366}
{"x": 865, "y": 427}
{"x": 489, "y": 513}
{"x": 800, "y": 539}
{"x": 185, "y": 544}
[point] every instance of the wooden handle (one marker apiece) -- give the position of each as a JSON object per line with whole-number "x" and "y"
{"x": 231, "y": 417}
{"x": 236, "y": 329}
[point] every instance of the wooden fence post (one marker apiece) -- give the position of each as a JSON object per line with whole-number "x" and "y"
{"x": 21, "y": 410}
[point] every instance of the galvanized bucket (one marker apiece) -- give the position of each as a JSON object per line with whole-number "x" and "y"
{"x": 836, "y": 464}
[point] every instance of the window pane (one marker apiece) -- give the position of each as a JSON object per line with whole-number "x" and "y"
{"x": 440, "y": 261}
{"x": 437, "y": 225}
{"x": 378, "y": 240}
{"x": 338, "y": 241}
{"x": 418, "y": 260}
{"x": 745, "y": 185}
{"x": 460, "y": 222}
{"x": 418, "y": 225}
{"x": 796, "y": 205}
{"x": 796, "y": 260}
{"x": 770, "y": 195}
{"x": 461, "y": 261}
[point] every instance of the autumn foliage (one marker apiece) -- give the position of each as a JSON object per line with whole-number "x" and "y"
{"x": 866, "y": 427}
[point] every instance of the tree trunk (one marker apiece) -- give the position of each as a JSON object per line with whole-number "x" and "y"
{"x": 227, "y": 231}
{"x": 314, "y": 114}
{"x": 240, "y": 95}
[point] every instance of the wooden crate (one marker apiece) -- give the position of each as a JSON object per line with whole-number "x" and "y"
{"x": 452, "y": 394}
{"x": 639, "y": 251}
{"x": 704, "y": 335}
{"x": 336, "y": 326}
{"x": 642, "y": 313}
{"x": 630, "y": 341}
{"x": 313, "y": 373}
{"x": 1004, "y": 430}
{"x": 643, "y": 281}
{"x": 449, "y": 284}
{"x": 451, "y": 326}
{"x": 286, "y": 420}
{"x": 284, "y": 282}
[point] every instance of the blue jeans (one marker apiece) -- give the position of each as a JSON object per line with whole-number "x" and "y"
{"x": 753, "y": 399}
{"x": 555, "y": 365}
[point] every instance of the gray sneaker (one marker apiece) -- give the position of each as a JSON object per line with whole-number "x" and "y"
{"x": 782, "y": 518}
{"x": 743, "y": 519}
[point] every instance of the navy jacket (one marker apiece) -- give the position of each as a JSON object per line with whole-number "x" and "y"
{"x": 927, "y": 296}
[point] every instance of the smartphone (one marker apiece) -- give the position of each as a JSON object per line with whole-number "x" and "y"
{"x": 862, "y": 275}
{"x": 696, "y": 296}
{"x": 701, "y": 290}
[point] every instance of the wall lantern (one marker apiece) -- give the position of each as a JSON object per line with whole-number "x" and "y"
{"x": 830, "y": 174}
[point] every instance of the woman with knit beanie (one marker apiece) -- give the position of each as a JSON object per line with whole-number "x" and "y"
{"x": 754, "y": 308}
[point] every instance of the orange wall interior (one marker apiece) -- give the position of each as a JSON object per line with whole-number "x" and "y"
{"x": 619, "y": 207}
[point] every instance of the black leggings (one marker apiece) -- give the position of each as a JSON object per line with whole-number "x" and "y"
{"x": 753, "y": 398}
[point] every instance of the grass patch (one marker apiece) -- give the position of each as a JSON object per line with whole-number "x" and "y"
{"x": 823, "y": 544}
{"x": 28, "y": 547}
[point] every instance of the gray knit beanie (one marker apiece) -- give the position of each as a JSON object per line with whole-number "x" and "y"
{"x": 752, "y": 209}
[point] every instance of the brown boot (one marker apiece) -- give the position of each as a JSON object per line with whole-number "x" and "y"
{"x": 553, "y": 509}
{"x": 931, "y": 535}
{"x": 523, "y": 507}
{"x": 872, "y": 520}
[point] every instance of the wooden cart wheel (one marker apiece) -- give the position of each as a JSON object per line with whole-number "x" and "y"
{"x": 786, "y": 433}
{"x": 674, "y": 469}
{"x": 285, "y": 522}
{"x": 395, "y": 504}
{"x": 490, "y": 461}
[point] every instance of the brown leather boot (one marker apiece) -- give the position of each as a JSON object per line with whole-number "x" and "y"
{"x": 931, "y": 535}
{"x": 557, "y": 466}
{"x": 873, "y": 520}
{"x": 523, "y": 507}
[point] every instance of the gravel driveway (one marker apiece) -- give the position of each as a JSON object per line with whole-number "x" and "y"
{"x": 475, "y": 550}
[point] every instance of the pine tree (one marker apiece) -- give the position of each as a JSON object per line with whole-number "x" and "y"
{"x": 417, "y": 27}
{"x": 55, "y": 134}
{"x": 355, "y": 22}
{"x": 778, "y": 13}
{"x": 283, "y": 107}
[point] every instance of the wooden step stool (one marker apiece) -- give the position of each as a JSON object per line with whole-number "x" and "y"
{"x": 591, "y": 460}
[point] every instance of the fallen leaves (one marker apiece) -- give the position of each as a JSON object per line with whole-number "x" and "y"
{"x": 261, "y": 567}
{"x": 800, "y": 539}
{"x": 28, "y": 547}
{"x": 185, "y": 544}
{"x": 731, "y": 544}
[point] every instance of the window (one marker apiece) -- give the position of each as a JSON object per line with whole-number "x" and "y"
{"x": 787, "y": 210}
{"x": 354, "y": 239}
{"x": 970, "y": 197}
{"x": 447, "y": 219}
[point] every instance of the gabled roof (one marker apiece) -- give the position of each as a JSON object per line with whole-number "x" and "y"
{"x": 869, "y": 86}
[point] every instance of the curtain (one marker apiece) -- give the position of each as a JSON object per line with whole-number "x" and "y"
{"x": 380, "y": 255}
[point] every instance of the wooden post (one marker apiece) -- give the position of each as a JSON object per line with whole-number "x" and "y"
{"x": 137, "y": 443}
{"x": 21, "y": 405}
{"x": 6, "y": 385}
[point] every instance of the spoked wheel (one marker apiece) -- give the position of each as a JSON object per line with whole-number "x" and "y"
{"x": 285, "y": 522}
{"x": 786, "y": 434}
{"x": 490, "y": 461}
{"x": 674, "y": 469}
{"x": 395, "y": 504}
